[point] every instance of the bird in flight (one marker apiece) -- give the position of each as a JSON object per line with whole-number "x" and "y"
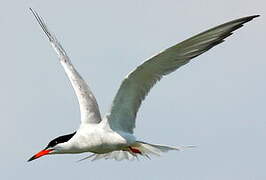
{"x": 111, "y": 137}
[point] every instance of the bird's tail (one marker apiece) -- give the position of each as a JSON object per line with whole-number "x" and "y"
{"x": 139, "y": 149}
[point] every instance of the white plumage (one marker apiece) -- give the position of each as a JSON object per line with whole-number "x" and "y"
{"x": 112, "y": 137}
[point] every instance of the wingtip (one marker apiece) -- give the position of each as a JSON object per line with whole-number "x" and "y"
{"x": 31, "y": 9}
{"x": 242, "y": 21}
{"x": 257, "y": 15}
{"x": 252, "y": 17}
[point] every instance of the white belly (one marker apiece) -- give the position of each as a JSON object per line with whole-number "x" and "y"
{"x": 98, "y": 140}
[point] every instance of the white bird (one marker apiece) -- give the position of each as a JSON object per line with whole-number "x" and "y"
{"x": 112, "y": 137}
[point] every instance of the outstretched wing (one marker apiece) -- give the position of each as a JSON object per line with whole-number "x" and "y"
{"x": 138, "y": 83}
{"x": 88, "y": 106}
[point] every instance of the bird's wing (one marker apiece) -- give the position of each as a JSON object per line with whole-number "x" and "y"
{"x": 138, "y": 83}
{"x": 88, "y": 106}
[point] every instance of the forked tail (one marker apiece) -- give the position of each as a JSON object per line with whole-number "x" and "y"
{"x": 139, "y": 149}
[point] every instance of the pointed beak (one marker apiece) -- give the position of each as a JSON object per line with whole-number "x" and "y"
{"x": 40, "y": 154}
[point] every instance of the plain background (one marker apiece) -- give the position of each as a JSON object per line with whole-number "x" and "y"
{"x": 216, "y": 102}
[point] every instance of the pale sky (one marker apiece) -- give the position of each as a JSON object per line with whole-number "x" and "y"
{"x": 217, "y": 102}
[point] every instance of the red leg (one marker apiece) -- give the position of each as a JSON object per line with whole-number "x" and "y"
{"x": 135, "y": 150}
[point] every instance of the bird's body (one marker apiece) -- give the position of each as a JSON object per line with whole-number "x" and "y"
{"x": 97, "y": 138}
{"x": 111, "y": 137}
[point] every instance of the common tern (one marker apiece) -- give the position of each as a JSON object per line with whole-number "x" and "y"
{"x": 111, "y": 137}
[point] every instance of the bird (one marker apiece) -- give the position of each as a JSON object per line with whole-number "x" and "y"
{"x": 112, "y": 136}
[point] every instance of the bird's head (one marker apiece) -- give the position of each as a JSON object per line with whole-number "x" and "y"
{"x": 53, "y": 146}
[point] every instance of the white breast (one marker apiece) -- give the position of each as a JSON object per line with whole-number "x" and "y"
{"x": 95, "y": 138}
